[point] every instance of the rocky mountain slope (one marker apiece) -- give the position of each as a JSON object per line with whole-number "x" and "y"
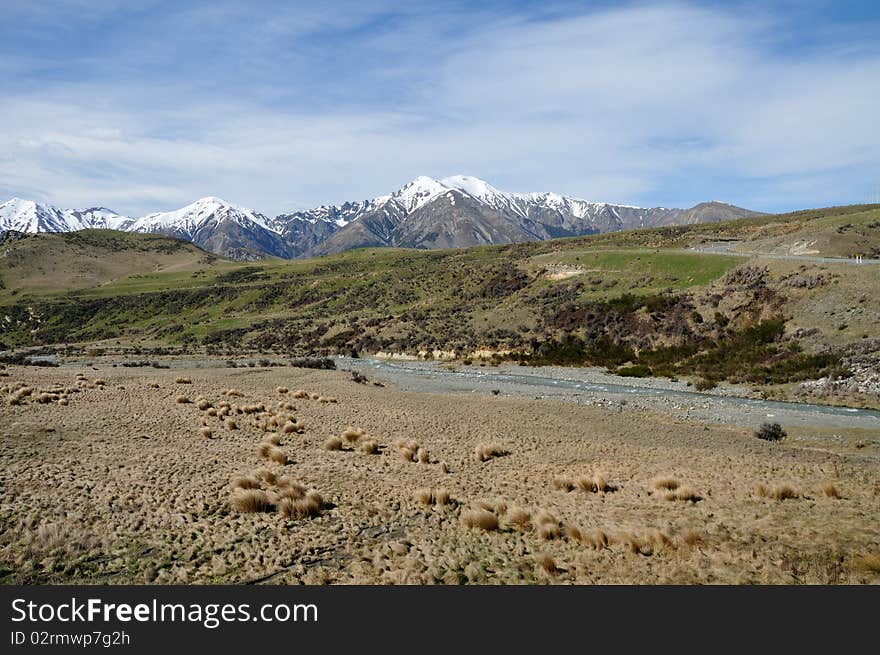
{"x": 454, "y": 212}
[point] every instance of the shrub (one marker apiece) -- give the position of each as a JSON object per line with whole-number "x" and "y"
{"x": 369, "y": 446}
{"x": 770, "y": 432}
{"x": 333, "y": 443}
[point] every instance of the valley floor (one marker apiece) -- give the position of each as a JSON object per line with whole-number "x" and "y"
{"x": 126, "y": 483}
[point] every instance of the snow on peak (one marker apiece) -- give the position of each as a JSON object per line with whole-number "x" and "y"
{"x": 474, "y": 186}
{"x": 201, "y": 212}
{"x": 419, "y": 192}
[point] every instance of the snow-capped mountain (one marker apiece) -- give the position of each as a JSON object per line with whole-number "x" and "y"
{"x": 29, "y": 216}
{"x": 454, "y": 212}
{"x": 219, "y": 227}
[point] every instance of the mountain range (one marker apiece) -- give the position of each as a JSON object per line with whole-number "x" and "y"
{"x": 454, "y": 212}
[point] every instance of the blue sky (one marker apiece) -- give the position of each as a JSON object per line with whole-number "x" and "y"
{"x": 146, "y": 106}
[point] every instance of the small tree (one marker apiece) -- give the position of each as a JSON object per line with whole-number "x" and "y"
{"x": 770, "y": 432}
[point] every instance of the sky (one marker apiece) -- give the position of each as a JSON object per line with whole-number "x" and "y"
{"x": 145, "y": 106}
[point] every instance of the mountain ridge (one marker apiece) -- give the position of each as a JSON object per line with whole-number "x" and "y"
{"x": 456, "y": 211}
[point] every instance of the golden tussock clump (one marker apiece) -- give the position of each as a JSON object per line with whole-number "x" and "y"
{"x": 868, "y": 562}
{"x": 277, "y": 455}
{"x": 180, "y": 380}
{"x": 563, "y": 484}
{"x": 597, "y": 483}
{"x": 264, "y": 449}
{"x": 433, "y": 496}
{"x": 274, "y": 439}
{"x": 290, "y": 427}
{"x": 245, "y": 482}
{"x": 281, "y": 390}
{"x": 685, "y": 494}
{"x": 546, "y": 563}
{"x": 369, "y": 446}
{"x": 251, "y": 500}
{"x": 831, "y": 491}
{"x": 211, "y": 412}
{"x": 182, "y": 400}
{"x": 486, "y": 452}
{"x": 333, "y": 443}
{"x": 547, "y": 525}
{"x": 407, "y": 450}
{"x": 480, "y": 518}
{"x": 665, "y": 482}
{"x": 233, "y": 392}
{"x": 423, "y": 456}
{"x": 777, "y": 492}
{"x": 329, "y": 400}
{"x": 692, "y": 538}
{"x": 153, "y": 385}
{"x": 353, "y": 435}
{"x": 519, "y": 517}
{"x": 299, "y": 393}
{"x": 231, "y": 424}
{"x": 306, "y": 507}
{"x": 205, "y": 432}
{"x": 444, "y": 467}
{"x": 63, "y": 401}
{"x": 203, "y": 404}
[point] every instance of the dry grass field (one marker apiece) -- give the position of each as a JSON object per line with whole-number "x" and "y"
{"x": 287, "y": 476}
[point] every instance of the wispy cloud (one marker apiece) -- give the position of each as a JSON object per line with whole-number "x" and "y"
{"x": 148, "y": 107}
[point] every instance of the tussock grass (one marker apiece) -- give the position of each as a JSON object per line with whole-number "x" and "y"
{"x": 290, "y": 427}
{"x": 442, "y": 497}
{"x": 485, "y": 452}
{"x": 519, "y": 517}
{"x": 182, "y": 400}
{"x": 333, "y": 443}
{"x": 423, "y": 456}
{"x": 299, "y": 393}
{"x": 308, "y": 506}
{"x": 233, "y": 393}
{"x": 665, "y": 482}
{"x": 211, "y": 411}
{"x": 264, "y": 449}
{"x": 353, "y": 435}
{"x": 597, "y": 483}
{"x": 369, "y": 447}
{"x": 685, "y": 494}
{"x": 274, "y": 439}
{"x": 251, "y": 500}
{"x": 281, "y": 390}
{"x": 692, "y": 538}
{"x": 564, "y": 484}
{"x": 776, "y": 492}
{"x": 245, "y": 482}
{"x": 546, "y": 563}
{"x": 180, "y": 380}
{"x": 869, "y": 562}
{"x": 203, "y": 404}
{"x": 480, "y": 518}
{"x": 425, "y": 496}
{"x": 231, "y": 424}
{"x": 205, "y": 432}
{"x": 278, "y": 456}
{"x": 831, "y": 491}
{"x": 547, "y": 525}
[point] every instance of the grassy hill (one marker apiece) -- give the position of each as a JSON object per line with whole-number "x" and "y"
{"x": 641, "y": 302}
